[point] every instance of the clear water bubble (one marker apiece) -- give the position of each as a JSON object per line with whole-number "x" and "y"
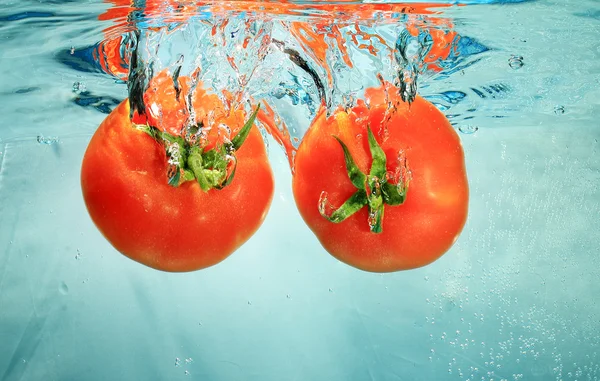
{"x": 177, "y": 361}
{"x": 515, "y": 62}
{"x": 47, "y": 140}
{"x": 468, "y": 129}
{"x": 559, "y": 109}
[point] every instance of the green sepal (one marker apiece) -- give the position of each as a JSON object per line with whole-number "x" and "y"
{"x": 378, "y": 168}
{"x": 188, "y": 175}
{"x": 374, "y": 190}
{"x": 391, "y": 194}
{"x": 355, "y": 203}
{"x": 241, "y": 136}
{"x": 215, "y": 160}
{"x": 188, "y": 162}
{"x": 357, "y": 178}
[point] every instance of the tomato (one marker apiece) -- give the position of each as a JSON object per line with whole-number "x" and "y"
{"x": 406, "y": 155}
{"x": 148, "y": 210}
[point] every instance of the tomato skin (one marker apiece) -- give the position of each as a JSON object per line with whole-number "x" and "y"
{"x": 415, "y": 233}
{"x": 176, "y": 229}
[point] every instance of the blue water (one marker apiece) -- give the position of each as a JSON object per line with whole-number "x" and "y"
{"x": 515, "y": 299}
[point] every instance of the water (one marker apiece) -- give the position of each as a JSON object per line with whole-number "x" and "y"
{"x": 514, "y": 299}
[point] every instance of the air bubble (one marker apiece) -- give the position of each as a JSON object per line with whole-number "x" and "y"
{"x": 468, "y": 129}
{"x": 515, "y": 62}
{"x": 559, "y": 110}
{"x": 47, "y": 140}
{"x": 79, "y": 87}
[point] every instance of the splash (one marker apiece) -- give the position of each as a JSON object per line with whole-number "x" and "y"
{"x": 295, "y": 59}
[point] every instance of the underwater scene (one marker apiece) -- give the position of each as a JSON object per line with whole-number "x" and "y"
{"x": 300, "y": 190}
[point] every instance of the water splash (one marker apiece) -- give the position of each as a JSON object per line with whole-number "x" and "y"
{"x": 410, "y": 52}
{"x": 293, "y": 65}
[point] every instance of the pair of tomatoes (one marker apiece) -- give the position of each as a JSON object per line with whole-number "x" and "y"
{"x": 382, "y": 185}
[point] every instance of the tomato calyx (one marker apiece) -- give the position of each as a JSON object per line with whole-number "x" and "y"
{"x": 188, "y": 160}
{"x": 374, "y": 190}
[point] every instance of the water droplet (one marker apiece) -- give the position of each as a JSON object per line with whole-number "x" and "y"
{"x": 374, "y": 219}
{"x": 559, "y": 110}
{"x": 63, "y": 288}
{"x": 426, "y": 278}
{"x": 249, "y": 303}
{"x": 468, "y": 129}
{"x": 177, "y": 361}
{"x": 330, "y": 290}
{"x": 326, "y": 209}
{"x": 515, "y": 62}
{"x": 187, "y": 373}
{"x": 189, "y": 360}
{"x": 78, "y": 255}
{"x": 47, "y": 140}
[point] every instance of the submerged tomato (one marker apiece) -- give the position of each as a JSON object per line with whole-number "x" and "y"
{"x": 172, "y": 228}
{"x": 423, "y": 174}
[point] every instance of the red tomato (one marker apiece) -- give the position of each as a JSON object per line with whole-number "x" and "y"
{"x": 424, "y": 165}
{"x": 171, "y": 228}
